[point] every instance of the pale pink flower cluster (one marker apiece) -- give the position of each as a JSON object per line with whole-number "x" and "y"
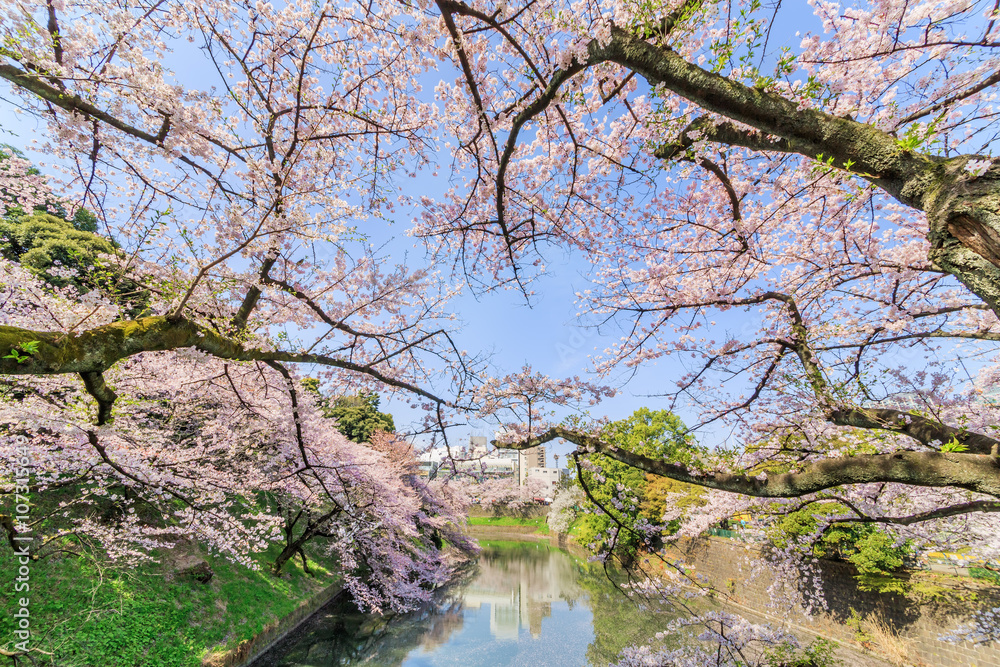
{"x": 727, "y": 641}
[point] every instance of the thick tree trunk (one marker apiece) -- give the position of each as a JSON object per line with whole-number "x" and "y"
{"x": 291, "y": 549}
{"x": 294, "y": 546}
{"x": 964, "y": 218}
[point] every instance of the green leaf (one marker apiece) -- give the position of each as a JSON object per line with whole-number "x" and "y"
{"x": 954, "y": 445}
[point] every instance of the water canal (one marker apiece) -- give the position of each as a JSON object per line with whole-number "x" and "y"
{"x": 524, "y": 604}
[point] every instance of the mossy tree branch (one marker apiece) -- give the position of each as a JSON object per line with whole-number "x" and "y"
{"x": 963, "y": 210}
{"x": 974, "y": 472}
{"x": 91, "y": 352}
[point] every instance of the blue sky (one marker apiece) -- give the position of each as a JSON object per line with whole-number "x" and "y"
{"x": 545, "y": 333}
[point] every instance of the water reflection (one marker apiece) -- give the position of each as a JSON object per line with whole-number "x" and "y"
{"x": 524, "y": 604}
{"x": 520, "y": 583}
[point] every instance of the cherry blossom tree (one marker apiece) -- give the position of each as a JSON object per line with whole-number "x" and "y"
{"x": 195, "y": 444}
{"x": 506, "y": 496}
{"x": 729, "y": 641}
{"x": 500, "y": 495}
{"x": 240, "y": 156}
{"x": 247, "y": 194}
{"x": 566, "y": 506}
{"x": 809, "y": 223}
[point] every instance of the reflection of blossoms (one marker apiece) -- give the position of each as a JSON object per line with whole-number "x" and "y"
{"x": 730, "y": 641}
{"x": 984, "y": 627}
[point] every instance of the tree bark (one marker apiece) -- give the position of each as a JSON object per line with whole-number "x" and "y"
{"x": 963, "y": 210}
{"x": 974, "y": 472}
{"x": 91, "y": 352}
{"x": 294, "y": 546}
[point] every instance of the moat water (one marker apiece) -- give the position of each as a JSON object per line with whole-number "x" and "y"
{"x": 524, "y": 604}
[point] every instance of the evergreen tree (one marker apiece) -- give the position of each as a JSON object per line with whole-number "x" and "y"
{"x": 358, "y": 416}
{"x": 63, "y": 250}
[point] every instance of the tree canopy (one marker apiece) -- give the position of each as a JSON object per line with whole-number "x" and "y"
{"x": 625, "y": 512}
{"x": 812, "y": 222}
{"x": 358, "y": 416}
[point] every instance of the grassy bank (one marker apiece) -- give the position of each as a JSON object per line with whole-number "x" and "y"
{"x": 83, "y": 615}
{"x": 538, "y": 523}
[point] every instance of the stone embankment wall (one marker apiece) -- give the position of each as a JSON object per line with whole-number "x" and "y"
{"x": 487, "y": 532}
{"x": 249, "y": 650}
{"x": 739, "y": 570}
{"x": 749, "y": 587}
{"x": 529, "y": 512}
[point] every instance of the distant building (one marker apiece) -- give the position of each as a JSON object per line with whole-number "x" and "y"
{"x": 548, "y": 476}
{"x": 506, "y": 454}
{"x": 530, "y": 458}
{"x": 427, "y": 468}
{"x": 475, "y": 460}
{"x": 478, "y": 445}
{"x": 488, "y": 466}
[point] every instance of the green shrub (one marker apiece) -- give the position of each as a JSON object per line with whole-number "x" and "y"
{"x": 875, "y": 553}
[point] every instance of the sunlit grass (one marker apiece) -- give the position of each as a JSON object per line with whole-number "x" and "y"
{"x": 537, "y": 522}
{"x": 89, "y": 616}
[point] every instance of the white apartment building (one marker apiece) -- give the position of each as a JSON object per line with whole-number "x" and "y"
{"x": 475, "y": 459}
{"x": 548, "y": 476}
{"x": 529, "y": 458}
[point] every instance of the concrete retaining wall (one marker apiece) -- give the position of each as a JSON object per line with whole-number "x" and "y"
{"x": 250, "y": 649}
{"x": 736, "y": 568}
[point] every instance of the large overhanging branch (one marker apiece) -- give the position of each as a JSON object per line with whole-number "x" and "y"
{"x": 963, "y": 213}
{"x": 974, "y": 472}
{"x": 866, "y": 149}
{"x": 960, "y": 509}
{"x": 71, "y": 102}
{"x": 962, "y": 209}
{"x": 928, "y": 432}
{"x": 91, "y": 352}
{"x": 985, "y": 506}
{"x": 239, "y": 322}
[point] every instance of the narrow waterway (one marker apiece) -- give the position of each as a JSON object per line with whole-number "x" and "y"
{"x": 524, "y": 604}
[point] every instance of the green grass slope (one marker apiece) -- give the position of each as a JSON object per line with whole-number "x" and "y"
{"x": 85, "y": 615}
